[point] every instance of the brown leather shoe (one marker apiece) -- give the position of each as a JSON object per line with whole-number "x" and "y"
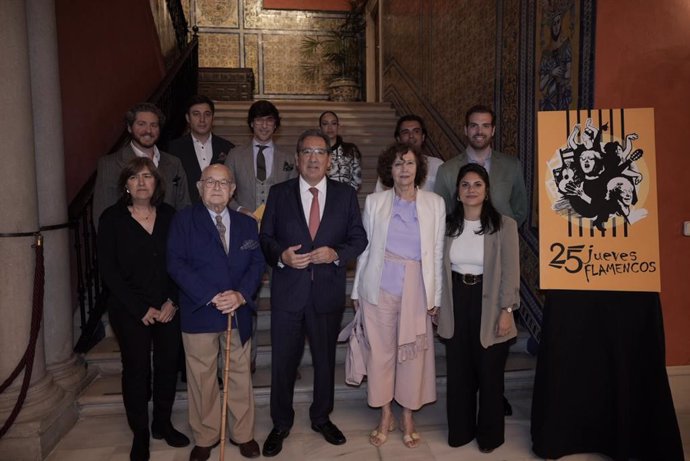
{"x": 248, "y": 449}
{"x": 201, "y": 453}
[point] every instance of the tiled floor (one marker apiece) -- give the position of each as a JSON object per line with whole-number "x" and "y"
{"x": 107, "y": 438}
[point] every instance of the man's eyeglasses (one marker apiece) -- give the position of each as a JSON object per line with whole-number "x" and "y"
{"x": 309, "y": 151}
{"x": 210, "y": 183}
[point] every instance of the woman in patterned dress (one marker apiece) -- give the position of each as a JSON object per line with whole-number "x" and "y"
{"x": 346, "y": 160}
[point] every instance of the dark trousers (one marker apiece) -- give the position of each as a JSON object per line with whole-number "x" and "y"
{"x": 136, "y": 341}
{"x": 288, "y": 331}
{"x": 471, "y": 368}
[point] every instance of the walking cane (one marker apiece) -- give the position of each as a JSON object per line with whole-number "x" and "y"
{"x": 226, "y": 373}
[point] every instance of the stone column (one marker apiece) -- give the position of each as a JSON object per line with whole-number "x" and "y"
{"x": 67, "y": 370}
{"x": 34, "y": 432}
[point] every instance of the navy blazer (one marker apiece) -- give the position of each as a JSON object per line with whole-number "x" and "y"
{"x": 183, "y": 148}
{"x": 198, "y": 264}
{"x": 284, "y": 225}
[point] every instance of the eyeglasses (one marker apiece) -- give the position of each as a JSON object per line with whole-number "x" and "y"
{"x": 310, "y": 151}
{"x": 210, "y": 183}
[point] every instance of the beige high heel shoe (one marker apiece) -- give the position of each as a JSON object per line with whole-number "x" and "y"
{"x": 411, "y": 439}
{"x": 378, "y": 438}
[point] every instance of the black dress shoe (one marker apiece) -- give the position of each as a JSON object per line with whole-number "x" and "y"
{"x": 330, "y": 432}
{"x": 201, "y": 453}
{"x": 172, "y": 436}
{"x": 274, "y": 442}
{"x": 507, "y": 408}
{"x": 140, "y": 447}
{"x": 248, "y": 449}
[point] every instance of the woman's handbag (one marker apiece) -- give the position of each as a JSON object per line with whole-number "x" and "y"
{"x": 357, "y": 350}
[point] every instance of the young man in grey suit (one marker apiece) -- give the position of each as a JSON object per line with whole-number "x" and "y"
{"x": 259, "y": 164}
{"x": 144, "y": 122}
{"x": 508, "y": 193}
{"x": 200, "y": 147}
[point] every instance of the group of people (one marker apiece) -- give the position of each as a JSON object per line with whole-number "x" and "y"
{"x": 184, "y": 239}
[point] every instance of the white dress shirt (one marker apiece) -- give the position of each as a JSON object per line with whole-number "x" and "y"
{"x": 307, "y": 197}
{"x": 204, "y": 151}
{"x": 140, "y": 153}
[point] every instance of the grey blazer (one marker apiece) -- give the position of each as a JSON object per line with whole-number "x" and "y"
{"x": 501, "y": 284}
{"x": 508, "y": 192}
{"x": 249, "y": 194}
{"x": 110, "y": 166}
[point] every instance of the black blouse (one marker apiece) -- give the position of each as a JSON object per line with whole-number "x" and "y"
{"x": 133, "y": 262}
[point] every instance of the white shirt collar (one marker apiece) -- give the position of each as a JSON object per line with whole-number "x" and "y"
{"x": 196, "y": 140}
{"x": 256, "y": 142}
{"x": 140, "y": 153}
{"x": 304, "y": 185}
{"x": 225, "y": 214}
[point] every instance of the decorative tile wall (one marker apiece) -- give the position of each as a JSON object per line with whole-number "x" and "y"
{"x": 220, "y": 50}
{"x": 241, "y": 33}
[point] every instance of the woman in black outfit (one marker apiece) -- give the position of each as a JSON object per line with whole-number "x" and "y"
{"x": 481, "y": 264}
{"x": 131, "y": 248}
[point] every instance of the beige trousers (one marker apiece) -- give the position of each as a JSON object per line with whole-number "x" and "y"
{"x": 205, "y": 398}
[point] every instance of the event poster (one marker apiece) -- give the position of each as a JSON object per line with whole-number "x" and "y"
{"x": 598, "y": 214}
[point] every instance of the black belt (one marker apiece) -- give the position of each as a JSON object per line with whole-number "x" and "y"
{"x": 468, "y": 279}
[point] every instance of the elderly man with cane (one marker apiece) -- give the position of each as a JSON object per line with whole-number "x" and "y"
{"x": 215, "y": 258}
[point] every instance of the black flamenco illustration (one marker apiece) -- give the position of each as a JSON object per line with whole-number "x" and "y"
{"x": 599, "y": 180}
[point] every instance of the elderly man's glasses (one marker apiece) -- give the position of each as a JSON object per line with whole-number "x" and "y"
{"x": 210, "y": 183}
{"x": 310, "y": 151}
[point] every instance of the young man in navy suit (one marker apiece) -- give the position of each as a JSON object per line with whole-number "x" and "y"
{"x": 310, "y": 231}
{"x": 215, "y": 259}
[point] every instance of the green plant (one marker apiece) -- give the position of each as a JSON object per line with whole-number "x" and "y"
{"x": 335, "y": 54}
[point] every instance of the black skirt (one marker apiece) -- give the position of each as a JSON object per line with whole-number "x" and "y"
{"x": 601, "y": 384}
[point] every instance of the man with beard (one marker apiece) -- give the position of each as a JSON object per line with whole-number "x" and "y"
{"x": 508, "y": 193}
{"x": 410, "y": 129}
{"x": 144, "y": 122}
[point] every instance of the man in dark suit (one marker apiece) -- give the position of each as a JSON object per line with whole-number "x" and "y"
{"x": 215, "y": 259}
{"x": 200, "y": 147}
{"x": 311, "y": 229}
{"x": 144, "y": 122}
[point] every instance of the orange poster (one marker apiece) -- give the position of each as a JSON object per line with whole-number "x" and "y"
{"x": 598, "y": 214}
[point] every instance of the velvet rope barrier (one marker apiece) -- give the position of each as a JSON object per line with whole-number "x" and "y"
{"x": 27, "y": 361}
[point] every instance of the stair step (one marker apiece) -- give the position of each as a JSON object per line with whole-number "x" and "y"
{"x": 104, "y": 395}
{"x": 104, "y": 358}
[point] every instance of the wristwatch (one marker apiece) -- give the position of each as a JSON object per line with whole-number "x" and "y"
{"x": 508, "y": 309}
